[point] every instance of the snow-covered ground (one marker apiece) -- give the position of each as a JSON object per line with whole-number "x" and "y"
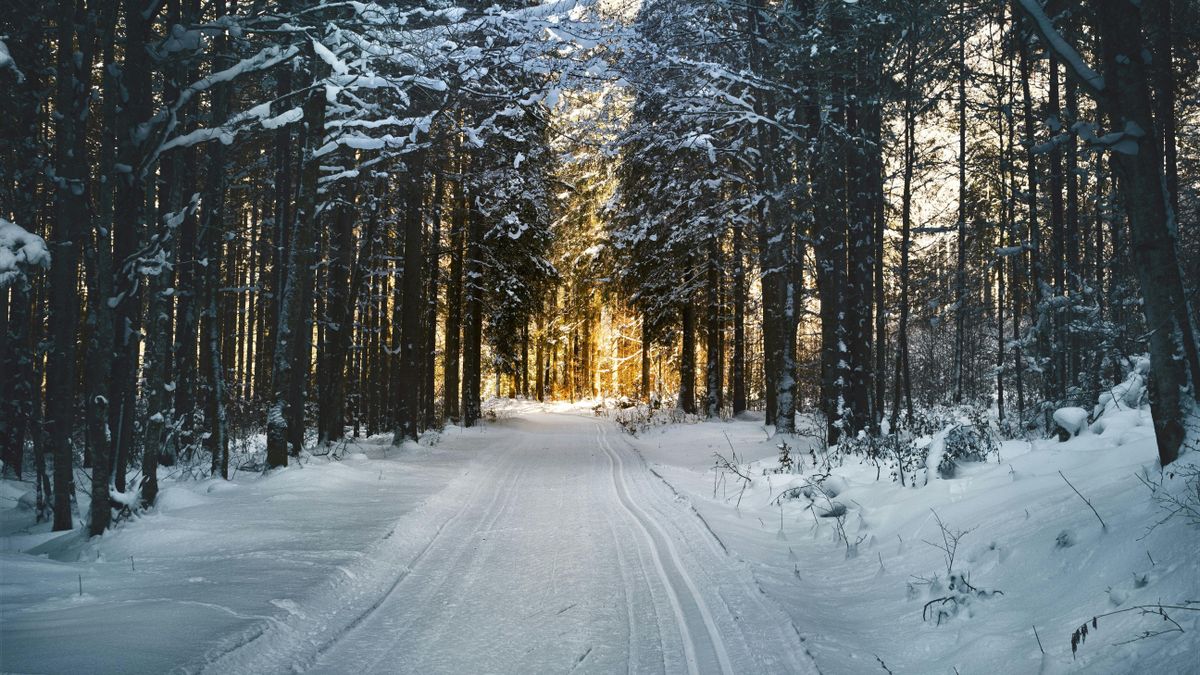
{"x": 216, "y": 562}
{"x": 1031, "y": 537}
{"x": 539, "y": 544}
{"x": 552, "y": 541}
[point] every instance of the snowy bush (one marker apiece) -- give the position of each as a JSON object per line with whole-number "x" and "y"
{"x": 972, "y": 440}
{"x": 637, "y": 418}
{"x": 905, "y": 457}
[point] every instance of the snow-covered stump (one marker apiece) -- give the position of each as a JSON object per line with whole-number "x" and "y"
{"x": 1071, "y": 422}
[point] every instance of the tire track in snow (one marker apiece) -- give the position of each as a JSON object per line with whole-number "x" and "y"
{"x": 491, "y": 515}
{"x": 753, "y": 589}
{"x": 627, "y": 585}
{"x": 508, "y": 486}
{"x": 645, "y": 524}
{"x": 297, "y": 647}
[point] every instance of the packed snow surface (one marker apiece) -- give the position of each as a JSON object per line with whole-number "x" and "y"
{"x": 547, "y": 547}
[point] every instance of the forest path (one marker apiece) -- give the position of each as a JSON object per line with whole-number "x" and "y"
{"x": 566, "y": 555}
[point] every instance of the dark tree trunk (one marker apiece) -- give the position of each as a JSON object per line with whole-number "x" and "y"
{"x": 454, "y": 297}
{"x": 902, "y": 379}
{"x": 1159, "y": 26}
{"x": 1057, "y": 385}
{"x": 687, "y": 357}
{"x": 429, "y": 325}
{"x": 412, "y": 339}
{"x": 1141, "y": 179}
{"x": 292, "y": 354}
{"x": 339, "y": 318}
{"x": 210, "y": 249}
{"x": 100, "y": 380}
{"x": 540, "y": 353}
{"x": 739, "y": 326}
{"x": 1037, "y": 297}
{"x": 71, "y": 218}
{"x": 864, "y": 116}
{"x": 156, "y": 365}
{"x": 19, "y": 191}
{"x": 645, "y": 375}
{"x": 712, "y": 328}
{"x": 472, "y": 321}
{"x": 960, "y": 275}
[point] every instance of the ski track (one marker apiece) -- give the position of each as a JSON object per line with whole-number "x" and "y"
{"x": 566, "y": 555}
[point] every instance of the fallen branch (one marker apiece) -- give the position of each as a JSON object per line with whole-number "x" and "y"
{"x": 1079, "y": 636}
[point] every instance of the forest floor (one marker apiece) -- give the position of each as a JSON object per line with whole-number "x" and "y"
{"x": 551, "y": 541}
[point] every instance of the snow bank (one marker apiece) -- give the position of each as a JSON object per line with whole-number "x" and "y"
{"x": 857, "y": 566}
{"x": 19, "y": 249}
{"x": 215, "y": 562}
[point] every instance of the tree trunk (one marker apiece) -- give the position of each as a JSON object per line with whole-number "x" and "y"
{"x": 429, "y": 324}
{"x": 412, "y": 339}
{"x": 1141, "y": 180}
{"x": 687, "y": 357}
{"x": 1158, "y": 19}
{"x": 454, "y": 296}
{"x": 903, "y": 379}
{"x": 739, "y": 325}
{"x": 285, "y": 418}
{"x": 341, "y": 291}
{"x": 712, "y": 371}
{"x": 210, "y": 250}
{"x": 960, "y": 276}
{"x": 100, "y": 352}
{"x": 71, "y": 217}
{"x": 472, "y": 321}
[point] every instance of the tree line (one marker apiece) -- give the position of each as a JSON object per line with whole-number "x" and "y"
{"x": 311, "y": 219}
{"x": 956, "y": 202}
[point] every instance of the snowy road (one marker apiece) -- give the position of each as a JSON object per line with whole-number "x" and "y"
{"x": 566, "y": 555}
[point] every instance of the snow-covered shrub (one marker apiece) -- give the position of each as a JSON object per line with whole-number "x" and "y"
{"x": 972, "y": 440}
{"x": 929, "y": 421}
{"x": 786, "y": 465}
{"x": 905, "y": 457}
{"x": 637, "y": 418}
{"x": 1130, "y": 394}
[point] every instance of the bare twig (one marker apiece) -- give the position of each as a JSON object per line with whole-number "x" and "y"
{"x": 1039, "y": 640}
{"x": 926, "y": 613}
{"x": 1103, "y": 526}
{"x": 949, "y": 545}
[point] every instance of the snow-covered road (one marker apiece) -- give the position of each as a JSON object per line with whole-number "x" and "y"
{"x": 563, "y": 553}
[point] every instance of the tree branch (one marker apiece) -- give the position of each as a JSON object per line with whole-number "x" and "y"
{"x": 1087, "y": 78}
